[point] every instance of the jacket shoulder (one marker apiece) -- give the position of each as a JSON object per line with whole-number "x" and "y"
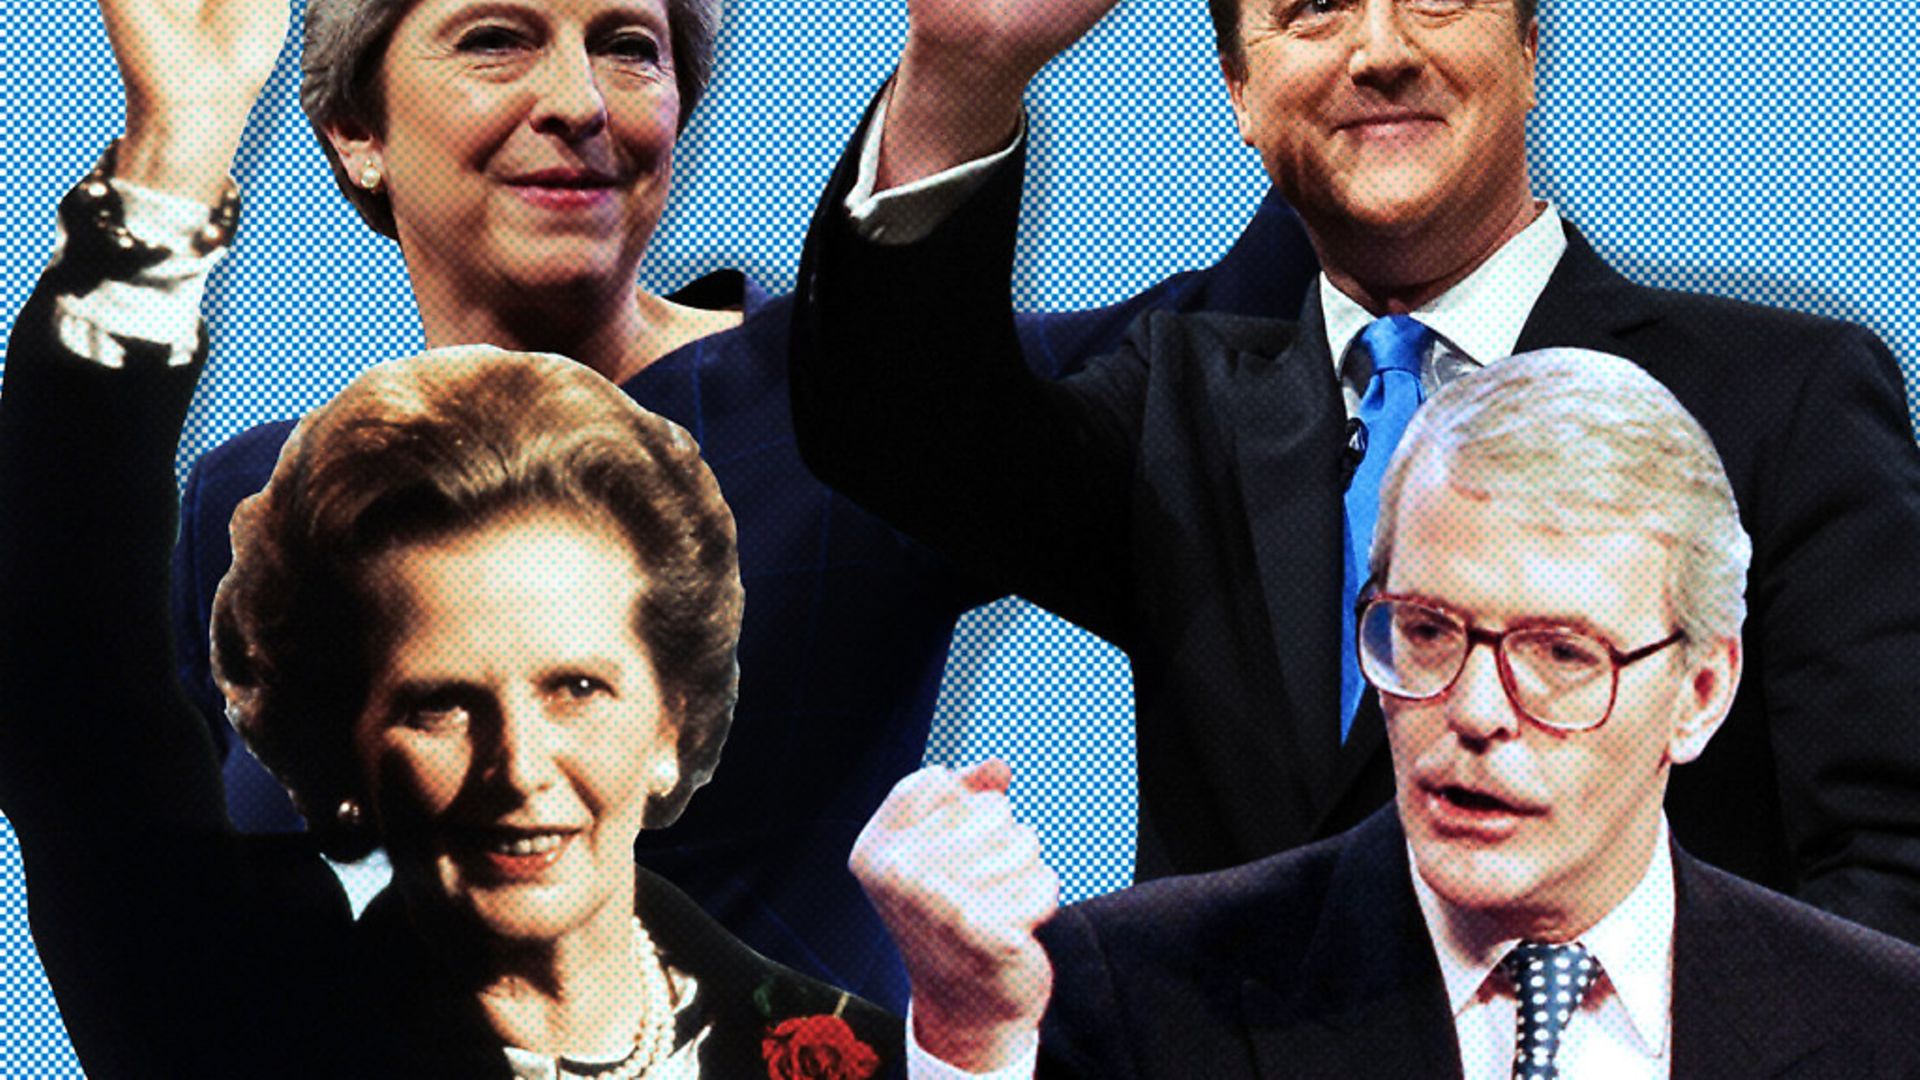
{"x": 1757, "y": 343}
{"x": 758, "y": 1006}
{"x": 1846, "y": 966}
{"x": 246, "y": 457}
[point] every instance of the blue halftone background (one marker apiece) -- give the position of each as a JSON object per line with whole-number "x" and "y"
{"x": 1757, "y": 151}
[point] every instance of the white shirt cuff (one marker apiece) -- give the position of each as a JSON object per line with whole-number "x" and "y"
{"x": 922, "y": 1065}
{"x": 162, "y": 304}
{"x": 910, "y": 212}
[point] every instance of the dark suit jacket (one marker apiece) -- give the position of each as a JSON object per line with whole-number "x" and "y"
{"x": 175, "y": 946}
{"x": 1318, "y": 963}
{"x": 846, "y": 627}
{"x": 1183, "y": 498}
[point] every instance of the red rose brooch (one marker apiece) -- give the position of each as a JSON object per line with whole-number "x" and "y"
{"x": 817, "y": 1048}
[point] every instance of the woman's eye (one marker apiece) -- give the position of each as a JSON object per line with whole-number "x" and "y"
{"x": 489, "y": 39}
{"x": 634, "y": 47}
{"x": 580, "y": 687}
{"x": 435, "y": 716}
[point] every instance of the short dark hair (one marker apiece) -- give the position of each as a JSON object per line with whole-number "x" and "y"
{"x": 434, "y": 446}
{"x": 344, "y": 42}
{"x": 1226, "y": 28}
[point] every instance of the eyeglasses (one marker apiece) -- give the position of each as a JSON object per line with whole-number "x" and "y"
{"x": 1557, "y": 677}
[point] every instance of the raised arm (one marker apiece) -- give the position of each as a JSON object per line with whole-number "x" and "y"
{"x": 192, "y": 71}
{"x": 88, "y": 440}
{"x": 173, "y": 947}
{"x": 911, "y": 392}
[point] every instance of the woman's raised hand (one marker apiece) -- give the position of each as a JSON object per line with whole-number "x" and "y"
{"x": 192, "y": 69}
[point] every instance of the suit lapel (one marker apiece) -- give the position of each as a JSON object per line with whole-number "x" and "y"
{"x": 1730, "y": 1017}
{"x": 1368, "y": 1001}
{"x": 1289, "y": 437}
{"x": 1586, "y": 304}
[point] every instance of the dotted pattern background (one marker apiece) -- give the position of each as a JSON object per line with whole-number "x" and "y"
{"x": 1762, "y": 152}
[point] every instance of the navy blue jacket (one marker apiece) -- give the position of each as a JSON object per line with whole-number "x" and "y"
{"x": 1318, "y": 963}
{"x": 846, "y": 627}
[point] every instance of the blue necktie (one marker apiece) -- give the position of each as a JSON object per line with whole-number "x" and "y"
{"x": 1397, "y": 345}
{"x": 1551, "y": 982}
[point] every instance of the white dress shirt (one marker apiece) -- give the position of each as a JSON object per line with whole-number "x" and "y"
{"x": 1622, "y": 1031}
{"x": 1474, "y": 323}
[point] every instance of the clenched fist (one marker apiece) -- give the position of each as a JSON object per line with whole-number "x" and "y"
{"x": 961, "y": 887}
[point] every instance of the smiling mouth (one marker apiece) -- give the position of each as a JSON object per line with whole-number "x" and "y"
{"x": 542, "y": 844}
{"x": 563, "y": 195}
{"x": 512, "y": 855}
{"x": 1397, "y": 126}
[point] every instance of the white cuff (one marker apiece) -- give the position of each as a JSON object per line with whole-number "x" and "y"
{"x": 162, "y": 305}
{"x": 922, "y": 1065}
{"x": 910, "y": 212}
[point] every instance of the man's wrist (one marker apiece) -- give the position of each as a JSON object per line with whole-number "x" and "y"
{"x": 944, "y": 112}
{"x": 972, "y": 1047}
{"x": 922, "y": 1063}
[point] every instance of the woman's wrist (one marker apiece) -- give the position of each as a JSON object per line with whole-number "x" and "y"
{"x": 181, "y": 159}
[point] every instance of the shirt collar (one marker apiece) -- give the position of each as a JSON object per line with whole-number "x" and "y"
{"x": 1482, "y": 315}
{"x": 1633, "y": 943}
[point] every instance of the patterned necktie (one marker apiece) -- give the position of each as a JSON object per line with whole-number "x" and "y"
{"x": 1397, "y": 345}
{"x": 1551, "y": 981}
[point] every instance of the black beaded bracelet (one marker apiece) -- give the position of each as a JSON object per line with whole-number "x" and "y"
{"x": 97, "y": 234}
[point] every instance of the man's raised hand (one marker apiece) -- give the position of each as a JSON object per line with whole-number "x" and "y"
{"x": 957, "y": 94}
{"x": 961, "y": 887}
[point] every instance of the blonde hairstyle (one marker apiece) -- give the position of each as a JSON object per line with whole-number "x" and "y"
{"x": 345, "y": 41}
{"x": 436, "y": 445}
{"x": 1581, "y": 441}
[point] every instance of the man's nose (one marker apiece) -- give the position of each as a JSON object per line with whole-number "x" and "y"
{"x": 1383, "y": 53}
{"x": 1478, "y": 707}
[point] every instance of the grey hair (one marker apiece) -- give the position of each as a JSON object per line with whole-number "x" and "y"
{"x": 346, "y": 40}
{"x": 1584, "y": 442}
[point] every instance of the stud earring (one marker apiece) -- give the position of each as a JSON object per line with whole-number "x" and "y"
{"x": 370, "y": 176}
{"x": 349, "y": 814}
{"x": 666, "y": 776}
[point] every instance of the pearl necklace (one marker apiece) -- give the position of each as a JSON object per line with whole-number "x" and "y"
{"x": 655, "y": 1039}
